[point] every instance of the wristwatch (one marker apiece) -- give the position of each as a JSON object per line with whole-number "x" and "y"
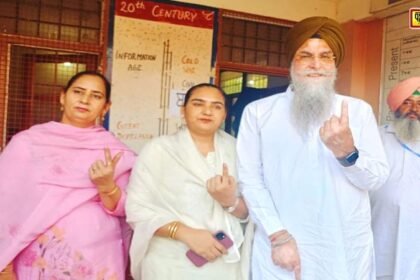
{"x": 350, "y": 159}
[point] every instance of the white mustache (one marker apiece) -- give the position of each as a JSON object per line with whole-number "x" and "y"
{"x": 412, "y": 112}
{"x": 317, "y": 72}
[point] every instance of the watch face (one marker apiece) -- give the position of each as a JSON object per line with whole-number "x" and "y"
{"x": 351, "y": 159}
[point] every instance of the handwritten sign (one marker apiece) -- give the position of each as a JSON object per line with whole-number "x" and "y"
{"x": 160, "y": 51}
{"x": 174, "y": 14}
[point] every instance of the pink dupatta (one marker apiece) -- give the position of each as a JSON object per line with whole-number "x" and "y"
{"x": 44, "y": 176}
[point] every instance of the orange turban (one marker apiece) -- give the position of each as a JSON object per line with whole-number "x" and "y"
{"x": 323, "y": 28}
{"x": 401, "y": 92}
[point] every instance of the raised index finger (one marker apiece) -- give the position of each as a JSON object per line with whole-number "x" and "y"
{"x": 225, "y": 170}
{"x": 108, "y": 158}
{"x": 344, "y": 118}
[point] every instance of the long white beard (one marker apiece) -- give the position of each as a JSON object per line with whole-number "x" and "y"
{"x": 312, "y": 102}
{"x": 407, "y": 130}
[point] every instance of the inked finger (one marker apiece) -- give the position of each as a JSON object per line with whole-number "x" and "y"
{"x": 344, "y": 118}
{"x": 225, "y": 170}
{"x": 108, "y": 158}
{"x": 297, "y": 272}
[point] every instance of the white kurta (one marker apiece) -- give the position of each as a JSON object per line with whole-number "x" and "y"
{"x": 395, "y": 212}
{"x": 168, "y": 183}
{"x": 298, "y": 185}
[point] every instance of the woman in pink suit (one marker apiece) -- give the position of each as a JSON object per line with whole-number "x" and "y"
{"x": 62, "y": 192}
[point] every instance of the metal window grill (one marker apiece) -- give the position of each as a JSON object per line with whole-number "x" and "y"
{"x": 42, "y": 44}
{"x": 255, "y": 43}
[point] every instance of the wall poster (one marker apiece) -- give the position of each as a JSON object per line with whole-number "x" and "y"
{"x": 401, "y": 57}
{"x": 159, "y": 51}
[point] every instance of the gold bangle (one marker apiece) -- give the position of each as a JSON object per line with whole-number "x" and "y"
{"x": 113, "y": 191}
{"x": 170, "y": 229}
{"x": 174, "y": 231}
{"x": 173, "y": 227}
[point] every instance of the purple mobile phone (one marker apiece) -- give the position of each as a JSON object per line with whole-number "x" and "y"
{"x": 224, "y": 239}
{"x": 198, "y": 260}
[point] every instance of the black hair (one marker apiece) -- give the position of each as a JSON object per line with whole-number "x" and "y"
{"x": 107, "y": 84}
{"x": 202, "y": 85}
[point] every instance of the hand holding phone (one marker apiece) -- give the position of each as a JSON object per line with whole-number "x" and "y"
{"x": 224, "y": 239}
{"x": 198, "y": 260}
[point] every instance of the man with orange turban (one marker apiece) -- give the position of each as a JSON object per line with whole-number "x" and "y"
{"x": 396, "y": 206}
{"x": 306, "y": 161}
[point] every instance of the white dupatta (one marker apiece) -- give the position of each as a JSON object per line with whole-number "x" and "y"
{"x": 168, "y": 183}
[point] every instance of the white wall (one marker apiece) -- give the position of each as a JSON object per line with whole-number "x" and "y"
{"x": 295, "y": 10}
{"x": 359, "y": 10}
{"x": 353, "y": 10}
{"x": 284, "y": 9}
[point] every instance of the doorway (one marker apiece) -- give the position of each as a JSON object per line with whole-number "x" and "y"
{"x": 242, "y": 88}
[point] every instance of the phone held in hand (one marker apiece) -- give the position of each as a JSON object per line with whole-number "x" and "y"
{"x": 224, "y": 239}
{"x": 198, "y": 260}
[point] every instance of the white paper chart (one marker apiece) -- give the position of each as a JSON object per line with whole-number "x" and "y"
{"x": 401, "y": 57}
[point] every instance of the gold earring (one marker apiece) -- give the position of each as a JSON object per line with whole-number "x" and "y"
{"x": 61, "y": 108}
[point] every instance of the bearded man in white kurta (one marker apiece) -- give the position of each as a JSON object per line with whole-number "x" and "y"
{"x": 306, "y": 161}
{"x": 396, "y": 206}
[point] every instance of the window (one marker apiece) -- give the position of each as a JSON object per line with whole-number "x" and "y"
{"x": 252, "y": 61}
{"x": 42, "y": 44}
{"x": 35, "y": 82}
{"x": 251, "y": 42}
{"x": 76, "y": 20}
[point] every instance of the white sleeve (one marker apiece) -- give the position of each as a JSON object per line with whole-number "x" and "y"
{"x": 371, "y": 168}
{"x": 251, "y": 174}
